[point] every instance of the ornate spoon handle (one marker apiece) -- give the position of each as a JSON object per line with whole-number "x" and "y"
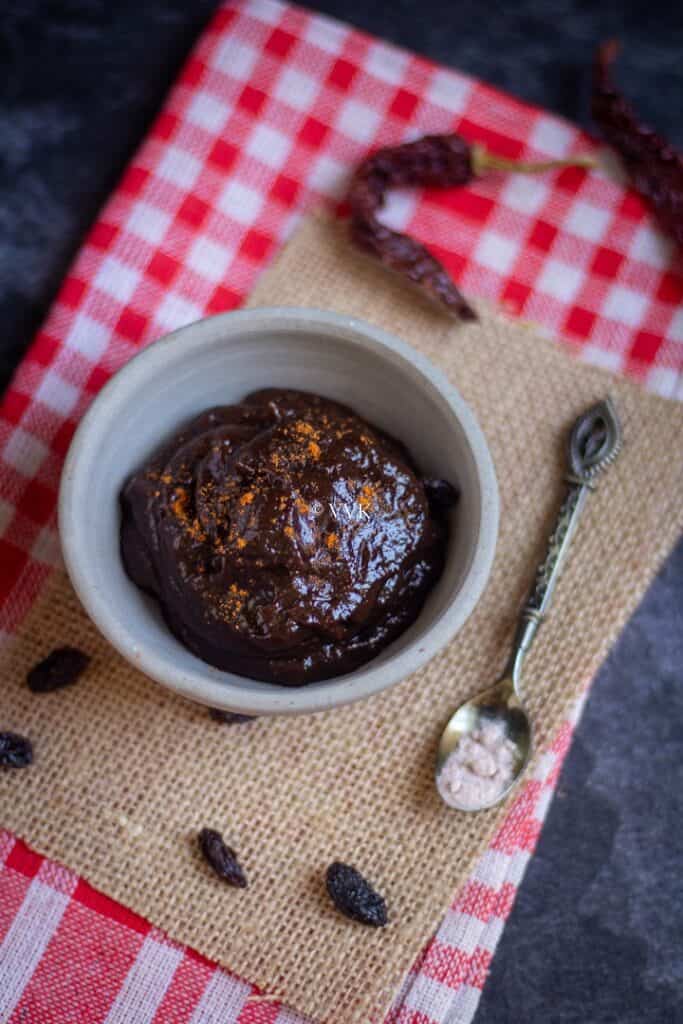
{"x": 594, "y": 442}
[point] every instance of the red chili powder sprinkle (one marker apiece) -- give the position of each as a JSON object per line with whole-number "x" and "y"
{"x": 195, "y": 531}
{"x": 179, "y": 504}
{"x": 232, "y": 604}
{"x": 304, "y": 429}
{"x": 179, "y": 508}
{"x": 367, "y": 496}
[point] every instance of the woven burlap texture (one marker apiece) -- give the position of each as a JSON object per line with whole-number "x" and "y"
{"x": 125, "y": 774}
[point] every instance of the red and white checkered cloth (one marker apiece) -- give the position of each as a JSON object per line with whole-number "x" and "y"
{"x": 271, "y": 111}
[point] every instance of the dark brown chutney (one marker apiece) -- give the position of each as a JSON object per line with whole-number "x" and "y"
{"x": 284, "y": 537}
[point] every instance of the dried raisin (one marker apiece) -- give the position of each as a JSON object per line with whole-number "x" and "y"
{"x": 61, "y": 668}
{"x": 440, "y": 494}
{"x": 354, "y": 896}
{"x": 229, "y": 717}
{"x": 222, "y": 858}
{"x": 15, "y": 751}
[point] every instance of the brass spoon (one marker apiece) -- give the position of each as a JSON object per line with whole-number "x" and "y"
{"x": 594, "y": 442}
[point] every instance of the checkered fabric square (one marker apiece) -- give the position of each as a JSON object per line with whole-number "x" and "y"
{"x": 270, "y": 113}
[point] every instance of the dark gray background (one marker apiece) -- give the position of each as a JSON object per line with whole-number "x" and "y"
{"x": 596, "y": 935}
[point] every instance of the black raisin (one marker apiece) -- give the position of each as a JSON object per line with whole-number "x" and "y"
{"x": 354, "y": 896}
{"x": 222, "y": 858}
{"x": 229, "y": 717}
{"x": 440, "y": 494}
{"x": 61, "y": 668}
{"x": 15, "y": 751}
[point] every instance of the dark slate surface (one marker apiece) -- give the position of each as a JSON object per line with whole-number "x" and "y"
{"x": 79, "y": 84}
{"x": 596, "y": 934}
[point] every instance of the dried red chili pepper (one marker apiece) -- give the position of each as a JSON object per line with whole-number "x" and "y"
{"x": 434, "y": 160}
{"x": 653, "y": 165}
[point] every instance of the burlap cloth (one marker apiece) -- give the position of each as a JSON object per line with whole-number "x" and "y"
{"x": 125, "y": 774}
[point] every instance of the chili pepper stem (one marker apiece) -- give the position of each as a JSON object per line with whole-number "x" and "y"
{"x": 483, "y": 161}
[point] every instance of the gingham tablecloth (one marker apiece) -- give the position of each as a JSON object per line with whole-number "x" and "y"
{"x": 270, "y": 112}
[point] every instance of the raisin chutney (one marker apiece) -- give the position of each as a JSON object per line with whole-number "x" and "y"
{"x": 285, "y": 538}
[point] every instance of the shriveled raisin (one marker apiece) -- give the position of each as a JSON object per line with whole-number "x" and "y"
{"x": 354, "y": 896}
{"x": 222, "y": 858}
{"x": 61, "y": 668}
{"x": 440, "y": 494}
{"x": 229, "y": 717}
{"x": 15, "y": 751}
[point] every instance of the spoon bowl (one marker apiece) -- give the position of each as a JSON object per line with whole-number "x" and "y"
{"x": 498, "y": 704}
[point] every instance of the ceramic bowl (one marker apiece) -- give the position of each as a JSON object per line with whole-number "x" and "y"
{"x": 218, "y": 361}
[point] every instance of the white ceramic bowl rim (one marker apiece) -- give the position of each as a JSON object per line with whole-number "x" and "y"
{"x": 206, "y": 684}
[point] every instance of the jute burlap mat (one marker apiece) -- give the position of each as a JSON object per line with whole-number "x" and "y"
{"x": 126, "y": 774}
